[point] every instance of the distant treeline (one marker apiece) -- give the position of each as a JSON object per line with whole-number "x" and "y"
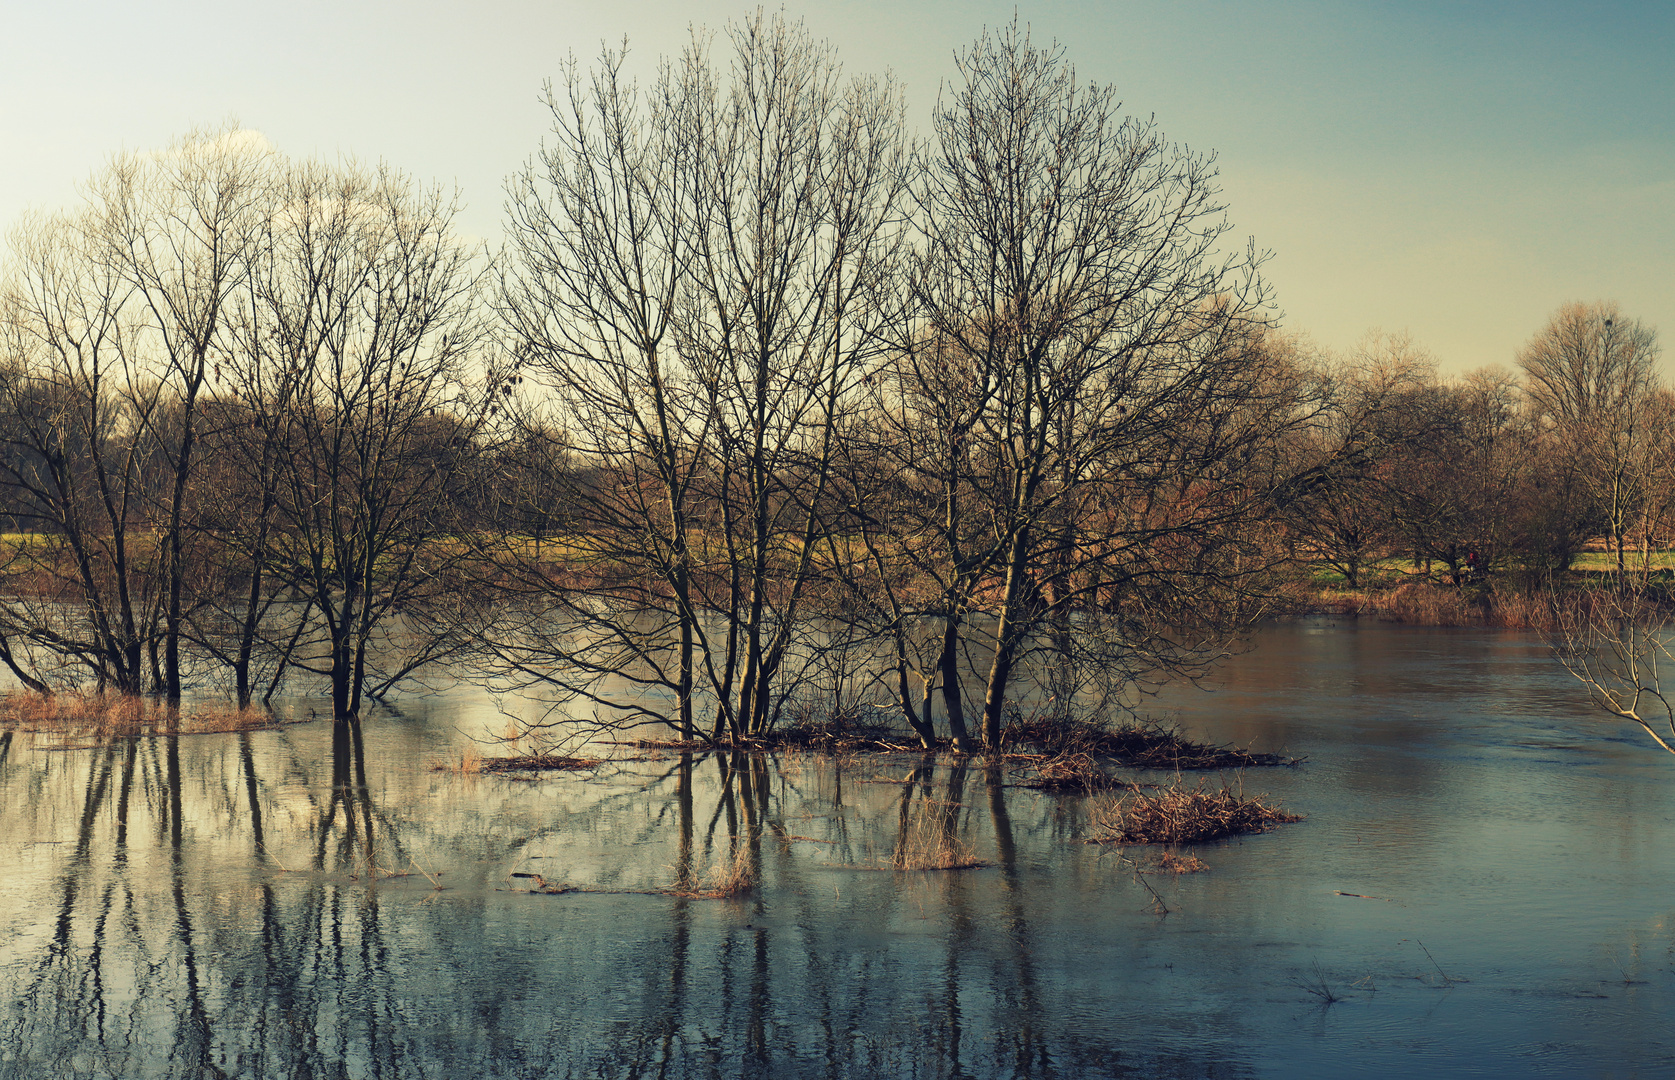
{"x": 759, "y": 387}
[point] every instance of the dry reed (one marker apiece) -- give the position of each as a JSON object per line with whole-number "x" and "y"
{"x": 727, "y": 879}
{"x": 1181, "y": 815}
{"x": 1424, "y": 603}
{"x": 928, "y": 844}
{"x": 107, "y": 716}
{"x": 1170, "y": 862}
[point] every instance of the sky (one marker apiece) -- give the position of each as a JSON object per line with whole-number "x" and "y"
{"x": 1454, "y": 170}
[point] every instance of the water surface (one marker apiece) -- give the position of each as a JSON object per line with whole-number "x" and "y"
{"x": 265, "y": 904}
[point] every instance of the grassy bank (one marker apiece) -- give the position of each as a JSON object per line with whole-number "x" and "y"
{"x": 1424, "y": 600}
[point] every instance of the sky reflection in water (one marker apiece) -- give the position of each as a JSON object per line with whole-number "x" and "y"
{"x": 224, "y": 905}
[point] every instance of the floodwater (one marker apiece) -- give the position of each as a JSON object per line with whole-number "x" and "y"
{"x": 265, "y": 905}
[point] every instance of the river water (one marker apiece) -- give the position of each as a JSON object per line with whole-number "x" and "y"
{"x": 265, "y": 905}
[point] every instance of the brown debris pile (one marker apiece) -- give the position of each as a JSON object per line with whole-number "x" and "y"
{"x": 534, "y": 763}
{"x": 1181, "y": 815}
{"x": 1170, "y": 862}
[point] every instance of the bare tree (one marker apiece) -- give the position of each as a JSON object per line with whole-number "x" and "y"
{"x": 601, "y": 251}
{"x": 179, "y": 225}
{"x": 1456, "y": 491}
{"x": 1379, "y": 407}
{"x": 699, "y": 279}
{"x": 1657, "y": 522}
{"x": 801, "y": 197}
{"x": 314, "y": 327}
{"x": 1071, "y": 260}
{"x": 903, "y": 552}
{"x": 73, "y": 409}
{"x": 363, "y": 324}
{"x": 1589, "y": 375}
{"x": 1618, "y": 647}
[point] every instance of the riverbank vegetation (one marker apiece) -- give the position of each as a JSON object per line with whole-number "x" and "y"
{"x": 96, "y": 717}
{"x": 770, "y": 421}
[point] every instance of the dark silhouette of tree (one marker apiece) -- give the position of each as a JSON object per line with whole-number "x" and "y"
{"x": 1113, "y": 367}
{"x": 698, "y": 277}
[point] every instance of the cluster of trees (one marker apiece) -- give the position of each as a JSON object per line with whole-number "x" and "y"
{"x": 968, "y": 392}
{"x": 234, "y": 411}
{"x": 758, "y": 380}
{"x": 1497, "y": 471}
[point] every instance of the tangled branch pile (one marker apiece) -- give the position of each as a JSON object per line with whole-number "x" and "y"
{"x": 534, "y": 763}
{"x": 1067, "y": 749}
{"x": 1181, "y": 815}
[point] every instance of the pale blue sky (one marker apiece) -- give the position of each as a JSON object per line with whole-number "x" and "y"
{"x": 1456, "y": 170}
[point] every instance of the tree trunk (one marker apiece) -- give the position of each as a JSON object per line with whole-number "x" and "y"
{"x": 909, "y": 708}
{"x": 949, "y": 665}
{"x": 1000, "y": 671}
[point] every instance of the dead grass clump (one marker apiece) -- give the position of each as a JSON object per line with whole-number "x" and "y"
{"x": 470, "y": 763}
{"x": 529, "y": 763}
{"x": 1181, "y": 815}
{"x": 1425, "y": 604}
{"x": 1170, "y": 862}
{"x": 727, "y": 879}
{"x": 928, "y": 844}
{"x": 106, "y": 716}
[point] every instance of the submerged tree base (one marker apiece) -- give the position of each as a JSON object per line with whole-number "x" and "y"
{"x": 1181, "y": 815}
{"x": 1144, "y": 744}
{"x": 831, "y": 736}
{"x": 1064, "y": 754}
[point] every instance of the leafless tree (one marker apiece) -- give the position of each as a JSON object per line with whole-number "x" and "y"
{"x": 1337, "y": 503}
{"x": 1072, "y": 262}
{"x": 179, "y": 226}
{"x": 1618, "y": 646}
{"x": 601, "y": 239}
{"x": 356, "y": 348}
{"x": 1455, "y": 492}
{"x": 699, "y": 276}
{"x": 1657, "y": 524}
{"x": 74, "y": 407}
{"x": 1589, "y": 376}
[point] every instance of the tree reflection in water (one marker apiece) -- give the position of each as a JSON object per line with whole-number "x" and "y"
{"x": 176, "y": 942}
{"x": 223, "y": 904}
